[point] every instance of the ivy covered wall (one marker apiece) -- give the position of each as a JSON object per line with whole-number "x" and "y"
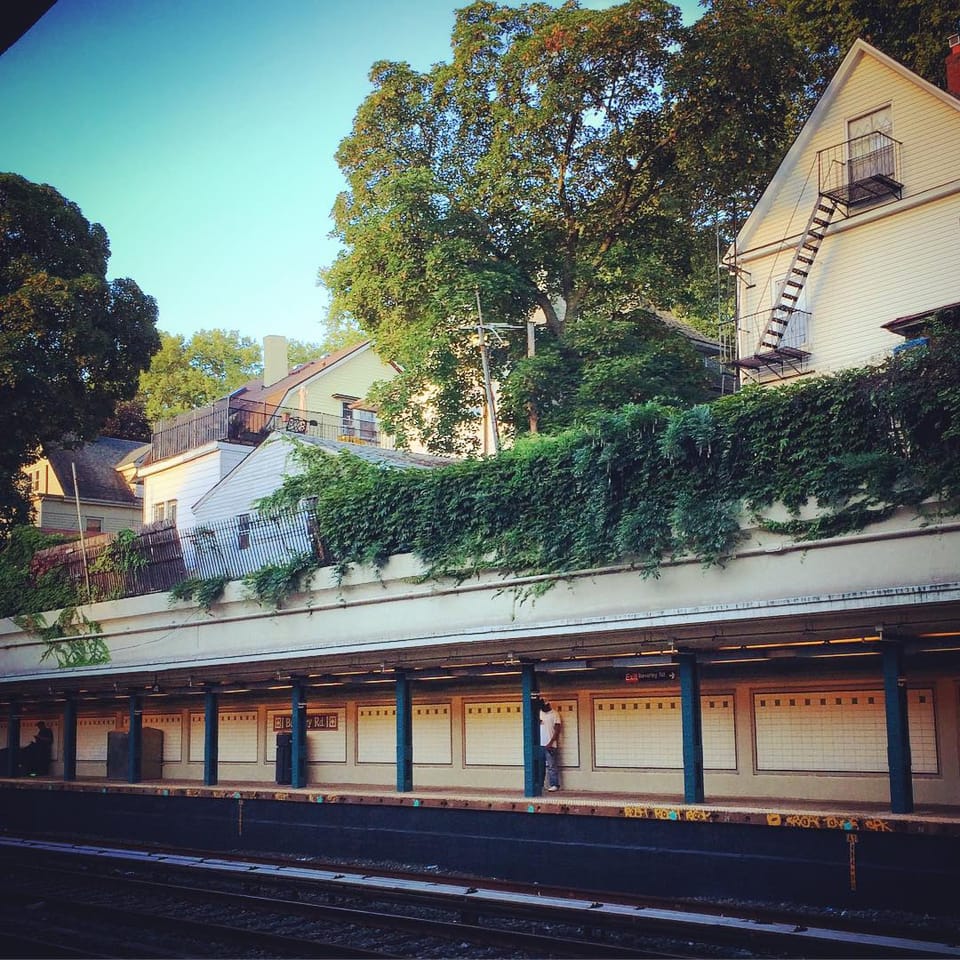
{"x": 652, "y": 481}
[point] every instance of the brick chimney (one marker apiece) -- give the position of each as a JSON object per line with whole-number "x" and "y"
{"x": 275, "y": 364}
{"x": 953, "y": 66}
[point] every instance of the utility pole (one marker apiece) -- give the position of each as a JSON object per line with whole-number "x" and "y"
{"x": 487, "y": 384}
{"x": 532, "y": 352}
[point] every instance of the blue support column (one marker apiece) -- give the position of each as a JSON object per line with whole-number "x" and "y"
{"x": 898, "y": 729}
{"x": 404, "y": 733}
{"x": 13, "y": 739}
{"x": 135, "y": 740}
{"x": 532, "y": 763}
{"x": 298, "y": 729}
{"x": 692, "y": 728}
{"x": 70, "y": 738}
{"x": 211, "y": 736}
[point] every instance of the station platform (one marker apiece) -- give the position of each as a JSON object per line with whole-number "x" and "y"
{"x": 850, "y": 855}
{"x": 780, "y": 814}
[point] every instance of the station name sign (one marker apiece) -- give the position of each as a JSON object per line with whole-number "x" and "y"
{"x": 644, "y": 676}
{"x": 315, "y": 721}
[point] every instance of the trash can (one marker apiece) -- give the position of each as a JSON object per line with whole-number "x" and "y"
{"x": 284, "y": 758}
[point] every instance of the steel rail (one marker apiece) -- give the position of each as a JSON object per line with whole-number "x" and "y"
{"x": 770, "y": 933}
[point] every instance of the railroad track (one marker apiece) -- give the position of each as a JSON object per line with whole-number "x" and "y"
{"x": 212, "y": 903}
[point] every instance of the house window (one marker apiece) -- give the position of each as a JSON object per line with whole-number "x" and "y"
{"x": 346, "y": 418}
{"x": 366, "y": 421}
{"x": 93, "y": 524}
{"x": 356, "y": 422}
{"x": 243, "y": 531}
{"x": 159, "y": 511}
{"x": 870, "y": 145}
{"x": 34, "y": 481}
{"x": 172, "y": 511}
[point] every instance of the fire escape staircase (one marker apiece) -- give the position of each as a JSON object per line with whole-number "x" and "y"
{"x": 771, "y": 350}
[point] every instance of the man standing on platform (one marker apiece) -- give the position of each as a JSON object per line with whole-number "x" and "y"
{"x": 550, "y": 726}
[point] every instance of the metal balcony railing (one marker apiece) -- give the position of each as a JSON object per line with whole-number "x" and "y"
{"x": 861, "y": 170}
{"x": 250, "y": 423}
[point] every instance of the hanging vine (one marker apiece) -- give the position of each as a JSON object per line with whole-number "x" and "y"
{"x": 650, "y": 482}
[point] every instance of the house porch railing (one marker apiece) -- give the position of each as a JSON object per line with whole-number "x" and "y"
{"x": 250, "y": 422}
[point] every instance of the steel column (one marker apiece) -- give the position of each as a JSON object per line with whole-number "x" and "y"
{"x": 298, "y": 730}
{"x": 692, "y": 728}
{"x": 70, "y": 738}
{"x": 898, "y": 729}
{"x": 13, "y": 739}
{"x": 211, "y": 737}
{"x": 404, "y": 733}
{"x": 135, "y": 740}
{"x": 532, "y": 763}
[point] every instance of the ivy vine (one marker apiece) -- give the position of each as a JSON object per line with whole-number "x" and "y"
{"x": 275, "y": 582}
{"x": 651, "y": 481}
{"x": 205, "y": 590}
{"x": 71, "y": 639}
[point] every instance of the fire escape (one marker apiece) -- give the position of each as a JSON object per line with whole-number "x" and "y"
{"x": 853, "y": 174}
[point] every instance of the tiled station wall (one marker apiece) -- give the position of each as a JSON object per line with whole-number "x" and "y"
{"x": 805, "y": 741}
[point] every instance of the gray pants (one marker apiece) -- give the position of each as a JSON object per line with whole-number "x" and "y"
{"x": 551, "y": 760}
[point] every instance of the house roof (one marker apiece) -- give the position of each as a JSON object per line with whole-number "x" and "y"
{"x": 855, "y": 55}
{"x": 97, "y": 466}
{"x": 397, "y": 459}
{"x": 275, "y": 392}
{"x": 698, "y": 340}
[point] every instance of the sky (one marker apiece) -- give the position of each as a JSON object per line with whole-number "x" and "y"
{"x": 202, "y": 133}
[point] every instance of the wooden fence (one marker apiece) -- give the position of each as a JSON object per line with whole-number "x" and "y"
{"x": 152, "y": 563}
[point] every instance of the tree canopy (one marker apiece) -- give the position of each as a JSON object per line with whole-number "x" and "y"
{"x": 189, "y": 373}
{"x": 542, "y": 167}
{"x": 583, "y": 162}
{"x": 72, "y": 343}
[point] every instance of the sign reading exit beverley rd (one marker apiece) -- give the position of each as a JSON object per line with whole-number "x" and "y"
{"x": 315, "y": 721}
{"x": 641, "y": 677}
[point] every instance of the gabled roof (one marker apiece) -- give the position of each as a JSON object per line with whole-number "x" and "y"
{"x": 855, "y": 55}
{"x": 396, "y": 459}
{"x": 97, "y": 466}
{"x": 275, "y": 392}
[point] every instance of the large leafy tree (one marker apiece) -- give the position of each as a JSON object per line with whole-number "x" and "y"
{"x": 532, "y": 170}
{"x": 548, "y": 165}
{"x": 72, "y": 343}
{"x": 189, "y": 373}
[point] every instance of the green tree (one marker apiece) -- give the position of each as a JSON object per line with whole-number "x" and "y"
{"x": 914, "y": 32}
{"x": 605, "y": 363}
{"x": 129, "y": 421}
{"x": 186, "y": 374}
{"x": 535, "y": 168}
{"x": 72, "y": 343}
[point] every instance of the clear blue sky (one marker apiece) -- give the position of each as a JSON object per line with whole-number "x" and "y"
{"x": 202, "y": 133}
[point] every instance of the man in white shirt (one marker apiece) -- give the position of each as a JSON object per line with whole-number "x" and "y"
{"x": 550, "y": 726}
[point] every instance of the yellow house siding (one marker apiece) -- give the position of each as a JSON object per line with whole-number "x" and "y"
{"x": 62, "y": 515}
{"x": 928, "y": 128}
{"x": 869, "y": 275}
{"x": 878, "y": 262}
{"x": 352, "y": 377}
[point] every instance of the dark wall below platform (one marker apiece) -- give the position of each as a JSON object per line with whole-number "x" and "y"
{"x": 604, "y": 854}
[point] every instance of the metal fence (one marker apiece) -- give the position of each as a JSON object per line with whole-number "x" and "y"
{"x": 251, "y": 422}
{"x": 161, "y": 556}
{"x": 238, "y": 546}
